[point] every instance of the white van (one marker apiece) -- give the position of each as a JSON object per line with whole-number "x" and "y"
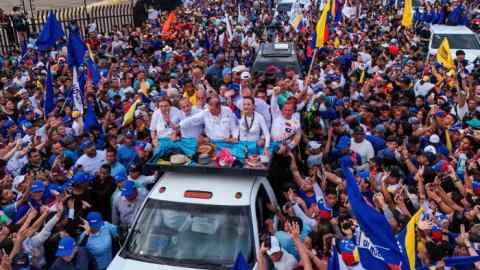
{"x": 198, "y": 219}
{"x": 459, "y": 38}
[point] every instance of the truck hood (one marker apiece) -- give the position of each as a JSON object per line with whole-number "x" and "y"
{"x": 120, "y": 263}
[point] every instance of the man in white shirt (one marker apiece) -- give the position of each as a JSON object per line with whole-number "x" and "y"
{"x": 282, "y": 260}
{"x": 187, "y": 110}
{"x": 361, "y": 146}
{"x": 219, "y": 121}
{"x": 423, "y": 86}
{"x": 92, "y": 159}
{"x": 285, "y": 127}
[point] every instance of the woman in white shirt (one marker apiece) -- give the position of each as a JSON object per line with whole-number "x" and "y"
{"x": 253, "y": 129}
{"x": 163, "y": 128}
{"x": 163, "y": 122}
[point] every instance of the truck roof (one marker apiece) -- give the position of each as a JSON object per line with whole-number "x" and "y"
{"x": 173, "y": 186}
{"x": 448, "y": 29}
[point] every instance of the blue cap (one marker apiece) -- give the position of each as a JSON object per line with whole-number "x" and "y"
{"x": 364, "y": 175}
{"x": 37, "y": 186}
{"x": 65, "y": 247}
{"x": 343, "y": 143}
{"x": 120, "y": 177}
{"x": 128, "y": 188}
{"x": 79, "y": 178}
{"x": 8, "y": 124}
{"x": 86, "y": 144}
{"x": 227, "y": 71}
{"x": 27, "y": 124}
{"x": 95, "y": 220}
{"x": 57, "y": 187}
{"x": 29, "y": 110}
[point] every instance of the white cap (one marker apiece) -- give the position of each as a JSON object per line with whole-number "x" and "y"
{"x": 430, "y": 149}
{"x": 245, "y": 75}
{"x": 434, "y": 138}
{"x": 239, "y": 69}
{"x": 129, "y": 89}
{"x": 314, "y": 145}
{"x": 274, "y": 246}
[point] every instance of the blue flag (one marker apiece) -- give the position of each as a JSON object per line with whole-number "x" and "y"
{"x": 51, "y": 32}
{"x": 333, "y": 263}
{"x": 49, "y": 104}
{"x": 241, "y": 263}
{"x": 377, "y": 246}
{"x": 76, "y": 50}
{"x": 207, "y": 42}
{"x": 90, "y": 120}
{"x": 93, "y": 71}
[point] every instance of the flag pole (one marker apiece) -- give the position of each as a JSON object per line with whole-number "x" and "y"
{"x": 311, "y": 66}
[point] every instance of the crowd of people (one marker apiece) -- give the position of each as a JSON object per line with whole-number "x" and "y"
{"x": 372, "y": 102}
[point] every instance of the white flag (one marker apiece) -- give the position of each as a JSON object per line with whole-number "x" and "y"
{"x": 229, "y": 27}
{"x": 77, "y": 97}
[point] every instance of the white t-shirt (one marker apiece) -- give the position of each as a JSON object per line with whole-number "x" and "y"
{"x": 216, "y": 127}
{"x": 364, "y": 149}
{"x": 287, "y": 262}
{"x": 92, "y": 165}
{"x": 191, "y": 131}
{"x": 422, "y": 89}
{"x": 159, "y": 125}
{"x": 282, "y": 129}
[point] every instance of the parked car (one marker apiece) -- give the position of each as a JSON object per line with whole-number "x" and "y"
{"x": 198, "y": 220}
{"x": 459, "y": 38}
{"x": 280, "y": 55}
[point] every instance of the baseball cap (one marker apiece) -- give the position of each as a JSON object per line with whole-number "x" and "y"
{"x": 65, "y": 247}
{"x": 363, "y": 175}
{"x": 314, "y": 145}
{"x": 37, "y": 186}
{"x": 274, "y": 246}
{"x": 86, "y": 144}
{"x": 245, "y": 75}
{"x": 95, "y": 220}
{"x": 120, "y": 177}
{"x": 434, "y": 138}
{"x": 128, "y": 188}
{"x": 79, "y": 178}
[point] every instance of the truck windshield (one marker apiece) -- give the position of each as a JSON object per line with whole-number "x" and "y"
{"x": 456, "y": 41}
{"x": 191, "y": 235}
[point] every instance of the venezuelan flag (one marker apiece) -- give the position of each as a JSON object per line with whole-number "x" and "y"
{"x": 322, "y": 27}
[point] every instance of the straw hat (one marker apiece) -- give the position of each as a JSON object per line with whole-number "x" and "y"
{"x": 208, "y": 149}
{"x": 179, "y": 159}
{"x": 204, "y": 159}
{"x": 253, "y": 161}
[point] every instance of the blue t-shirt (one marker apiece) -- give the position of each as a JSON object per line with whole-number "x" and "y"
{"x": 100, "y": 244}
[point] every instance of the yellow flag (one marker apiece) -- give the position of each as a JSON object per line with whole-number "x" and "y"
{"x": 362, "y": 77}
{"x": 444, "y": 55}
{"x": 407, "y": 18}
{"x": 144, "y": 87}
{"x": 296, "y": 22}
{"x": 321, "y": 26}
{"x": 448, "y": 140}
{"x": 90, "y": 53}
{"x": 410, "y": 238}
{"x": 336, "y": 42}
{"x": 130, "y": 115}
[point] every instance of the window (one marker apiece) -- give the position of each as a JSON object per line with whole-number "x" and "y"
{"x": 456, "y": 41}
{"x": 262, "y": 204}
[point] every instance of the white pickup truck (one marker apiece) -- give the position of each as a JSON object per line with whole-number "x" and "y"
{"x": 198, "y": 220}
